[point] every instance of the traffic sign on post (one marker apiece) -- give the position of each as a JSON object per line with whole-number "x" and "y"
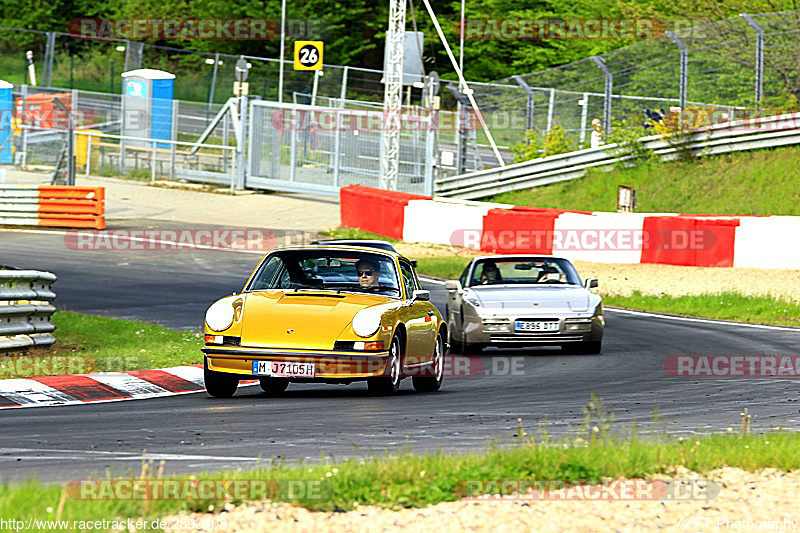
{"x": 308, "y": 55}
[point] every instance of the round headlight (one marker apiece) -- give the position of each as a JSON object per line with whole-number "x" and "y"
{"x": 219, "y": 316}
{"x": 366, "y": 322}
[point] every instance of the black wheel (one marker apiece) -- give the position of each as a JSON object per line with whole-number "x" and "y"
{"x": 390, "y": 384}
{"x": 273, "y": 385}
{"x": 219, "y": 384}
{"x": 473, "y": 349}
{"x": 585, "y": 347}
{"x": 456, "y": 346}
{"x": 432, "y": 383}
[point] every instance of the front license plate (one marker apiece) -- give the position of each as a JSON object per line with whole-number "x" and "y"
{"x": 520, "y": 325}
{"x": 281, "y": 369}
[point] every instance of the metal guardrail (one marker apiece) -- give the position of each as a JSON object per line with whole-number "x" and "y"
{"x": 769, "y": 132}
{"x": 25, "y": 309}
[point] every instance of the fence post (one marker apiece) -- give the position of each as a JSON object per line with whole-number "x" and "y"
{"x": 759, "y": 57}
{"x": 430, "y": 152}
{"x": 174, "y": 147}
{"x": 50, "y": 51}
{"x": 584, "y": 116}
{"x": 88, "y": 153}
{"x": 550, "y": 107}
{"x": 684, "y": 67}
{"x": 213, "y": 83}
{"x": 529, "y": 109}
{"x": 608, "y": 92}
{"x": 24, "y": 156}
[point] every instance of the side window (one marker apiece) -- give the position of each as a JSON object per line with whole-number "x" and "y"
{"x": 408, "y": 279}
{"x": 463, "y": 278}
{"x": 266, "y": 275}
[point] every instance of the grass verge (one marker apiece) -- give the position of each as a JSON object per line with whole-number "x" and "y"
{"x": 737, "y": 183}
{"x": 723, "y": 306}
{"x": 102, "y": 344}
{"x": 410, "y": 480}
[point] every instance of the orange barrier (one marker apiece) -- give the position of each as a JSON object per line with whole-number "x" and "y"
{"x": 54, "y": 206}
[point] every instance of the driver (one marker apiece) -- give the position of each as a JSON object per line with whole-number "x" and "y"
{"x": 368, "y": 273}
{"x": 490, "y": 274}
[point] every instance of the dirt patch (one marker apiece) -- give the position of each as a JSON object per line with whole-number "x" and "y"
{"x": 766, "y": 497}
{"x": 623, "y": 279}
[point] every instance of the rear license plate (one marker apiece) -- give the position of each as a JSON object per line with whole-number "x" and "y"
{"x": 520, "y": 325}
{"x": 281, "y": 369}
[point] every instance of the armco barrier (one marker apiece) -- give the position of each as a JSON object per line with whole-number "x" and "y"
{"x": 55, "y": 206}
{"x": 25, "y": 309}
{"x": 658, "y": 238}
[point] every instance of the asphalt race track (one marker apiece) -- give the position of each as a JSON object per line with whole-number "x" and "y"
{"x": 191, "y": 432}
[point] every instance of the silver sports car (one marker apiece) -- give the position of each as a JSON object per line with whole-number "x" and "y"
{"x": 523, "y": 300}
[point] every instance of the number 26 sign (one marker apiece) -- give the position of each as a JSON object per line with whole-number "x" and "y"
{"x": 308, "y": 55}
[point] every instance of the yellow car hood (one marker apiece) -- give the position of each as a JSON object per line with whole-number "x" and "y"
{"x": 301, "y": 320}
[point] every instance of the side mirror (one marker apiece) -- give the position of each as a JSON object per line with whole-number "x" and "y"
{"x": 452, "y": 285}
{"x": 413, "y": 262}
{"x": 590, "y": 283}
{"x": 420, "y": 295}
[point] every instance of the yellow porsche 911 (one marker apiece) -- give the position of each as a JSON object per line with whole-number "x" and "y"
{"x": 330, "y": 314}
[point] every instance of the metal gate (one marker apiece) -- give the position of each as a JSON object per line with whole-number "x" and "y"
{"x": 303, "y": 148}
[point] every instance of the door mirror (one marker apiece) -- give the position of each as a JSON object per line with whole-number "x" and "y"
{"x": 452, "y": 285}
{"x": 590, "y": 283}
{"x": 421, "y": 295}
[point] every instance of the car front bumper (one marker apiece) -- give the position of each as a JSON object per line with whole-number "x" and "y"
{"x": 329, "y": 365}
{"x": 476, "y": 332}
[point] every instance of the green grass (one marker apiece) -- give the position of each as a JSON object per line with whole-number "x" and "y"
{"x": 724, "y": 306}
{"x": 442, "y": 267}
{"x": 408, "y": 480}
{"x": 763, "y": 182}
{"x": 353, "y": 233}
{"x": 96, "y": 343}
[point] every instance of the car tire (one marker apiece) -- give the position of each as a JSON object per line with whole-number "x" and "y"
{"x": 585, "y": 347}
{"x": 273, "y": 385}
{"x": 456, "y": 346}
{"x": 388, "y": 385}
{"x": 432, "y": 383}
{"x": 219, "y": 384}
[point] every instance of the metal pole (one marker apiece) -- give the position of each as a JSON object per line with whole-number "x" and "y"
{"x": 461, "y": 40}
{"x": 608, "y": 92}
{"x": 430, "y": 140}
{"x": 153, "y": 163}
{"x": 243, "y": 124}
{"x": 684, "y": 65}
{"x": 213, "y": 82}
{"x": 283, "y": 38}
{"x": 24, "y": 157}
{"x": 343, "y": 93}
{"x": 759, "y": 57}
{"x": 529, "y": 109}
{"x": 173, "y": 146}
{"x": 88, "y": 153}
{"x": 584, "y": 116}
{"x": 550, "y": 106}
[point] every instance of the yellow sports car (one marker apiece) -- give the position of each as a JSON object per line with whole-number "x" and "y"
{"x": 331, "y": 314}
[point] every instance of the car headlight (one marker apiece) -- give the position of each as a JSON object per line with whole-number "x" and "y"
{"x": 219, "y": 316}
{"x": 366, "y": 322}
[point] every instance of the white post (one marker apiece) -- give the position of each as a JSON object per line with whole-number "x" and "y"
{"x": 88, "y": 153}
{"x": 584, "y": 116}
{"x": 283, "y": 39}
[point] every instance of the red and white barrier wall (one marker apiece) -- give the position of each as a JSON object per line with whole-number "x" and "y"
{"x": 660, "y": 238}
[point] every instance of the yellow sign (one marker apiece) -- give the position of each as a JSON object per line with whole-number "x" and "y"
{"x": 308, "y": 55}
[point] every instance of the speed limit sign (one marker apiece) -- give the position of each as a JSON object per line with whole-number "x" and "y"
{"x": 308, "y": 55}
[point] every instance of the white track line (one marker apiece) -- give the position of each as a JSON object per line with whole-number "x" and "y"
{"x": 701, "y": 320}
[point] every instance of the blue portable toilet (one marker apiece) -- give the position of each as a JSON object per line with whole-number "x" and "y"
{"x": 6, "y": 117}
{"x": 148, "y": 95}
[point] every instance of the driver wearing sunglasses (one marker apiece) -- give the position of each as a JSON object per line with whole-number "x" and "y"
{"x": 368, "y": 273}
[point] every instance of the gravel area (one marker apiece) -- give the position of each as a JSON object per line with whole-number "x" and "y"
{"x": 746, "y": 501}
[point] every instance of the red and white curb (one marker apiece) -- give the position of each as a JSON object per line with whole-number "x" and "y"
{"x": 100, "y": 387}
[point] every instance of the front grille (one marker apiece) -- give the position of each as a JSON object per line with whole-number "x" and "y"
{"x": 234, "y": 341}
{"x": 345, "y": 346}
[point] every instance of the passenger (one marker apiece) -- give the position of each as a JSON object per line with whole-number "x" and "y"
{"x": 490, "y": 274}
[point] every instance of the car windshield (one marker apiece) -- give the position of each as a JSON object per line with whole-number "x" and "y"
{"x": 524, "y": 271}
{"x": 327, "y": 270}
